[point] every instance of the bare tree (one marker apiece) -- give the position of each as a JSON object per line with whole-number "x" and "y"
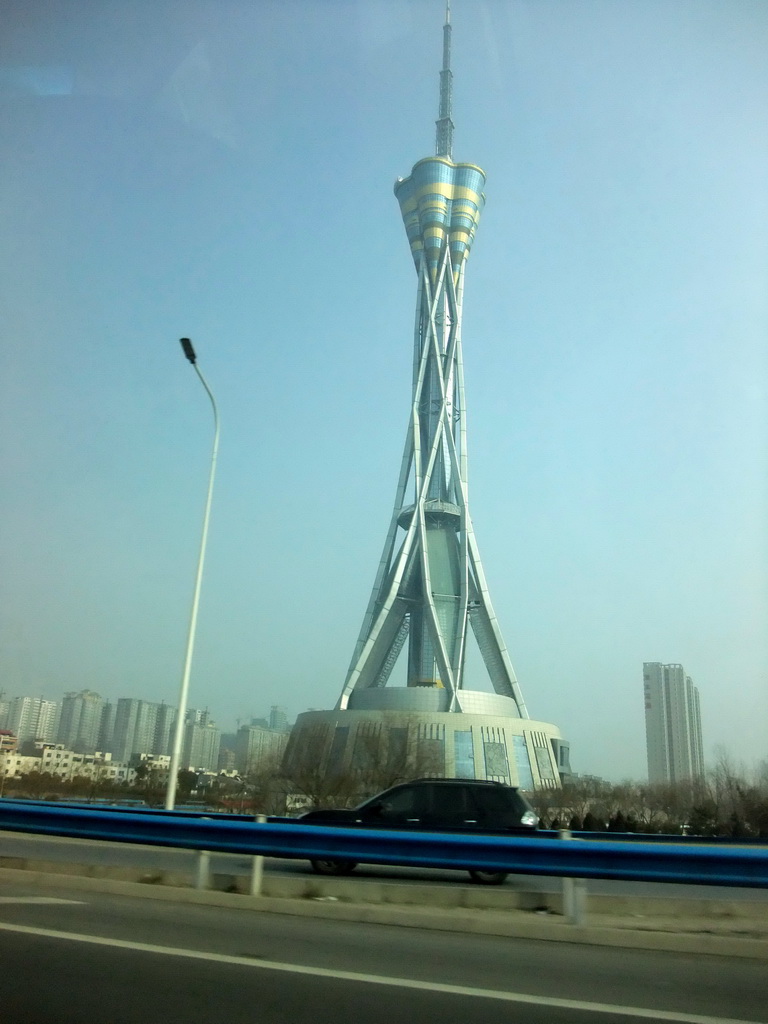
{"x": 263, "y": 787}
{"x": 381, "y": 755}
{"x": 310, "y": 776}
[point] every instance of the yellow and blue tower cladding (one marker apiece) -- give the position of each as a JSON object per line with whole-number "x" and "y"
{"x": 441, "y": 203}
{"x": 430, "y": 588}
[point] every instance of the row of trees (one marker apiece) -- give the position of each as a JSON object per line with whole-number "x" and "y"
{"x": 150, "y": 786}
{"x": 727, "y": 802}
{"x": 310, "y": 785}
{"x": 38, "y": 785}
{"x": 266, "y": 787}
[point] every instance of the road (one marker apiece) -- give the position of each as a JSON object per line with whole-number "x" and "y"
{"x": 157, "y": 858}
{"x": 93, "y": 956}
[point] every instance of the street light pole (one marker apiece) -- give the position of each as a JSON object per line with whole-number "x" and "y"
{"x": 178, "y": 735}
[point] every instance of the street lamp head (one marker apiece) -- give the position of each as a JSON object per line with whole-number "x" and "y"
{"x": 189, "y": 352}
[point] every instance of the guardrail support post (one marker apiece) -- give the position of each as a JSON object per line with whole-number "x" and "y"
{"x": 574, "y": 893}
{"x": 203, "y": 874}
{"x": 257, "y": 865}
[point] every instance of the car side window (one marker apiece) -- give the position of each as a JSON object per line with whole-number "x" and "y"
{"x": 401, "y": 805}
{"x": 448, "y": 806}
{"x": 496, "y": 808}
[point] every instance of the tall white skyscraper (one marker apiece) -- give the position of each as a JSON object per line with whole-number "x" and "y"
{"x": 278, "y": 720}
{"x": 5, "y": 711}
{"x": 80, "y": 721}
{"x": 201, "y": 741}
{"x": 672, "y": 724}
{"x": 141, "y": 727}
{"x": 34, "y": 718}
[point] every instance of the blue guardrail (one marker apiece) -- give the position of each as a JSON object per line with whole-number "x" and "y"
{"x": 604, "y": 858}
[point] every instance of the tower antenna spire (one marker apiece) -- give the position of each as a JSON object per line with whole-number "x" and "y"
{"x": 444, "y": 124}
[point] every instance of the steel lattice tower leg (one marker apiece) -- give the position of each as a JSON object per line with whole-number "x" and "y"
{"x": 430, "y": 584}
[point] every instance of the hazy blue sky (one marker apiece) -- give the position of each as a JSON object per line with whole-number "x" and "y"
{"x": 223, "y": 169}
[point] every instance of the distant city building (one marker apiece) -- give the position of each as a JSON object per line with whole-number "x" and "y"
{"x": 672, "y": 724}
{"x": 278, "y": 720}
{"x": 227, "y": 760}
{"x": 165, "y": 723}
{"x": 80, "y": 721}
{"x": 159, "y": 763}
{"x": 107, "y": 726}
{"x": 54, "y": 759}
{"x": 257, "y": 747}
{"x": 33, "y": 718}
{"x": 141, "y": 727}
{"x": 200, "y": 749}
{"x": 8, "y": 742}
{"x": 13, "y": 765}
{"x": 227, "y": 751}
{"x": 5, "y": 710}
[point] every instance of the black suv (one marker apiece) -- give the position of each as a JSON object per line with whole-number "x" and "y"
{"x": 437, "y": 805}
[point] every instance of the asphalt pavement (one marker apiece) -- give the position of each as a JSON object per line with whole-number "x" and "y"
{"x": 70, "y": 957}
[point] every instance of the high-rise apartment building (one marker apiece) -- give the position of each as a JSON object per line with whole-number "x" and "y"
{"x": 106, "y": 727}
{"x": 278, "y": 720}
{"x": 33, "y": 718}
{"x": 672, "y": 724}
{"x": 80, "y": 721}
{"x": 202, "y": 737}
{"x": 165, "y": 723}
{"x": 141, "y": 727}
{"x": 258, "y": 747}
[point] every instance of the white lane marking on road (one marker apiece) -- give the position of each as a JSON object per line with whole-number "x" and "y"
{"x": 375, "y": 979}
{"x": 36, "y": 899}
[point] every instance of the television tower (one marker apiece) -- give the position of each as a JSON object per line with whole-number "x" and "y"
{"x": 430, "y": 586}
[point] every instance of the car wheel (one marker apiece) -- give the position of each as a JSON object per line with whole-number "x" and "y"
{"x": 488, "y": 877}
{"x": 333, "y": 867}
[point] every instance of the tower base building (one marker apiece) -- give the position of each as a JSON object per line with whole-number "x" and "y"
{"x": 417, "y": 736}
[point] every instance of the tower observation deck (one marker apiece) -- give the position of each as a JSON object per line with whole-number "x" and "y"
{"x": 430, "y": 590}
